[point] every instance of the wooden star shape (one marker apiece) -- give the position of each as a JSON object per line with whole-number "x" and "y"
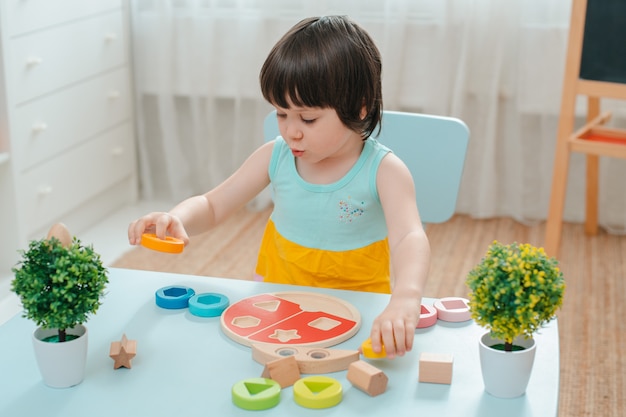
{"x": 285, "y": 335}
{"x": 122, "y": 352}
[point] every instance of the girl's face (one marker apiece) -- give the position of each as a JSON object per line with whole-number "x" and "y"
{"x": 316, "y": 134}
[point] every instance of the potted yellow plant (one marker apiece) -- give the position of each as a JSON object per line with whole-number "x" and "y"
{"x": 514, "y": 291}
{"x": 59, "y": 283}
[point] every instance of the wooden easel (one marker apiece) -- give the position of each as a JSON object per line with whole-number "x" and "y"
{"x": 596, "y": 68}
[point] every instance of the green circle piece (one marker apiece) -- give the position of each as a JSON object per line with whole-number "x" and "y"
{"x": 317, "y": 392}
{"x": 256, "y": 394}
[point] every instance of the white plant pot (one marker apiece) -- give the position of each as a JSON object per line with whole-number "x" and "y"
{"x": 62, "y": 365}
{"x": 506, "y": 374}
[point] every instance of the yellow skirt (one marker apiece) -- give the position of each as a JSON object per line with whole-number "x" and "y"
{"x": 363, "y": 269}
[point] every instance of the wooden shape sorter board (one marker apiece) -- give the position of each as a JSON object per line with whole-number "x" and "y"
{"x": 291, "y": 318}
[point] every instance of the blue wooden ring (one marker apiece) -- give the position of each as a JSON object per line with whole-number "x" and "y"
{"x": 208, "y": 304}
{"x": 174, "y": 297}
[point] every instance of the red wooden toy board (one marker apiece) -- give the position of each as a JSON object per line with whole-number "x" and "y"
{"x": 298, "y": 318}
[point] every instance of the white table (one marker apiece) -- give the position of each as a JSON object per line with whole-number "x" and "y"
{"x": 185, "y": 365}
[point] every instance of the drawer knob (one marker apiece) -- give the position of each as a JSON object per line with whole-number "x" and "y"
{"x": 117, "y": 151}
{"x": 39, "y": 127}
{"x": 113, "y": 95}
{"x": 45, "y": 190}
{"x": 33, "y": 61}
{"x": 110, "y": 37}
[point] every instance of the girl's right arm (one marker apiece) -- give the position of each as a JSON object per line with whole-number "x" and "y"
{"x": 202, "y": 212}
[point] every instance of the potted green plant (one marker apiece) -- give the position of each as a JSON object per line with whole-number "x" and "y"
{"x": 514, "y": 291}
{"x": 59, "y": 283}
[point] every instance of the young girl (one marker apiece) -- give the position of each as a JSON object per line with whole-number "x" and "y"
{"x": 344, "y": 205}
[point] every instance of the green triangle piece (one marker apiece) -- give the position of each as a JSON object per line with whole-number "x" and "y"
{"x": 317, "y": 387}
{"x": 254, "y": 388}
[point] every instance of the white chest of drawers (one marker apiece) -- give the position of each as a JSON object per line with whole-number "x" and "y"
{"x": 67, "y": 141}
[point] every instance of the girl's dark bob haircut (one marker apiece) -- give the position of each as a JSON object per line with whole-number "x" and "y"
{"x": 327, "y": 62}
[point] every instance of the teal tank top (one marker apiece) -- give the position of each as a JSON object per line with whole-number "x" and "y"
{"x": 341, "y": 216}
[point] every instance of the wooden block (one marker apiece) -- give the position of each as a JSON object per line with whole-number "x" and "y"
{"x": 123, "y": 352}
{"x": 435, "y": 368}
{"x": 367, "y": 378}
{"x": 285, "y": 371}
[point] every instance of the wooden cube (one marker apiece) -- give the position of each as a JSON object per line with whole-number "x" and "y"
{"x": 285, "y": 371}
{"x": 435, "y": 368}
{"x": 367, "y": 378}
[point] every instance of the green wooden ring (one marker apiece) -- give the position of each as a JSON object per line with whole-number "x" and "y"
{"x": 256, "y": 394}
{"x": 317, "y": 392}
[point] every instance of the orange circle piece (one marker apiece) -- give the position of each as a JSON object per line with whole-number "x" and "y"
{"x": 168, "y": 245}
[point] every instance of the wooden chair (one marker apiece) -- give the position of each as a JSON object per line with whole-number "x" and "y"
{"x": 432, "y": 147}
{"x": 595, "y": 67}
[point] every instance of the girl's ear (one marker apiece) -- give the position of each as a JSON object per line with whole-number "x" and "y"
{"x": 363, "y": 112}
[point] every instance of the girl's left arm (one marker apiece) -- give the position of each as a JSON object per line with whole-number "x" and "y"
{"x": 410, "y": 259}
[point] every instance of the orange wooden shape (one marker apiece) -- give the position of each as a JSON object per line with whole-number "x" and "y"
{"x": 123, "y": 352}
{"x": 167, "y": 245}
{"x": 368, "y": 350}
{"x": 367, "y": 378}
{"x": 435, "y": 368}
{"x": 285, "y": 371}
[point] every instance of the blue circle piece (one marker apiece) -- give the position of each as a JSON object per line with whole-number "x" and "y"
{"x": 174, "y": 297}
{"x": 208, "y": 304}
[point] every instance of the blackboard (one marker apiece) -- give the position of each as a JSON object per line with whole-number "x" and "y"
{"x": 604, "y": 42}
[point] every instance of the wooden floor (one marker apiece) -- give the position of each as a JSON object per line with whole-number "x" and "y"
{"x": 592, "y": 325}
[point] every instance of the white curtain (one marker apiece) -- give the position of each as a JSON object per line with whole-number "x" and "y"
{"x": 497, "y": 65}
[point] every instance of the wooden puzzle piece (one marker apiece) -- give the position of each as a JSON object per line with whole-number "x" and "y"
{"x": 435, "y": 368}
{"x": 256, "y": 394}
{"x": 208, "y": 304}
{"x": 284, "y": 370}
{"x": 167, "y": 245}
{"x": 291, "y": 318}
{"x": 123, "y": 352}
{"x": 311, "y": 360}
{"x": 250, "y": 315}
{"x": 368, "y": 351}
{"x": 428, "y": 316}
{"x": 317, "y": 392}
{"x": 453, "y": 309}
{"x": 367, "y": 378}
{"x": 174, "y": 297}
{"x": 304, "y": 328}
